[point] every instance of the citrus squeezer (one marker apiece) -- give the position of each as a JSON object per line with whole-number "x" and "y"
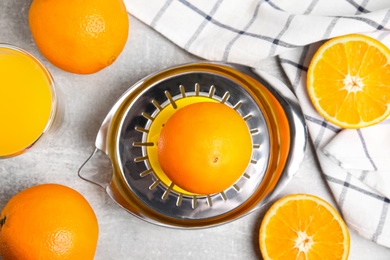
{"x": 129, "y": 133}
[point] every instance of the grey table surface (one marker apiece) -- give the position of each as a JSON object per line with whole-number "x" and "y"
{"x": 88, "y": 99}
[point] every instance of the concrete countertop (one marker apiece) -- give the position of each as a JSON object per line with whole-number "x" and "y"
{"x": 87, "y": 99}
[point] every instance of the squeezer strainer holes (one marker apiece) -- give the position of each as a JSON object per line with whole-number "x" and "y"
{"x": 145, "y": 130}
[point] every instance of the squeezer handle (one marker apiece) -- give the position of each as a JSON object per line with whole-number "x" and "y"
{"x": 98, "y": 175}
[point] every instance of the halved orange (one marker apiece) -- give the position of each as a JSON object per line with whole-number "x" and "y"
{"x": 302, "y": 226}
{"x": 205, "y": 147}
{"x": 348, "y": 81}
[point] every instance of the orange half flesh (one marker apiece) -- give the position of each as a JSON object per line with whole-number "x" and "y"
{"x": 303, "y": 226}
{"x": 348, "y": 81}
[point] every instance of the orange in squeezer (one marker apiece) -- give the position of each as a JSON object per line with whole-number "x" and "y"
{"x": 205, "y": 147}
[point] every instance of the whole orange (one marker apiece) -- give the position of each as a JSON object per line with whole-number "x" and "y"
{"x": 48, "y": 221}
{"x": 204, "y": 148}
{"x": 79, "y": 36}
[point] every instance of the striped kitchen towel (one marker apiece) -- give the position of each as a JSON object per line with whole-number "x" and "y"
{"x": 353, "y": 162}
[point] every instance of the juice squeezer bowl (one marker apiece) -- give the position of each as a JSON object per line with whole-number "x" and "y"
{"x": 138, "y": 185}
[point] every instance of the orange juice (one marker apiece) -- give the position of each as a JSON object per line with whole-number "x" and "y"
{"x": 27, "y": 100}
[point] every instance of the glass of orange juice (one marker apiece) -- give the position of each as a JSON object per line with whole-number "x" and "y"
{"x": 28, "y": 101}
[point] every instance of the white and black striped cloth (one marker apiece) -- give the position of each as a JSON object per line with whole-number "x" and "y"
{"x": 355, "y": 163}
